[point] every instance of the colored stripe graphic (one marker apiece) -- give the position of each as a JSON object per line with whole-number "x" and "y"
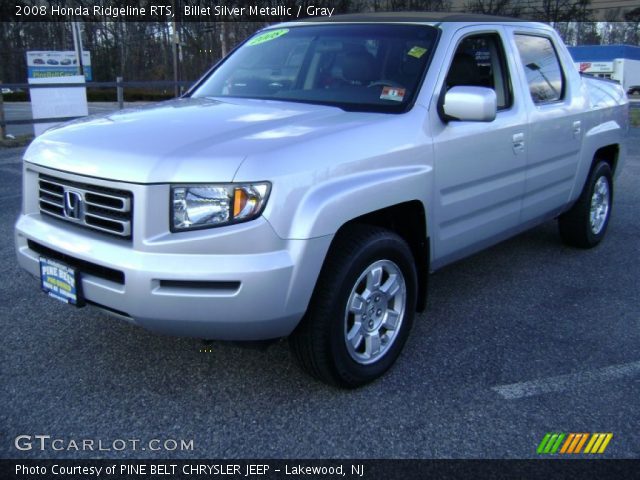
{"x": 599, "y": 443}
{"x": 596, "y": 446}
{"x": 551, "y": 442}
{"x": 572, "y": 443}
{"x": 543, "y": 443}
{"x": 581, "y": 443}
{"x": 565, "y": 447}
{"x": 576, "y": 439}
{"x": 591, "y": 443}
{"x": 604, "y": 445}
{"x": 555, "y": 447}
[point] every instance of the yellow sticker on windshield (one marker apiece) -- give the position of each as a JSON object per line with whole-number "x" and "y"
{"x": 417, "y": 52}
{"x": 267, "y": 36}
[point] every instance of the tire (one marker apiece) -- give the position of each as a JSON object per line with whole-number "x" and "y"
{"x": 359, "y": 255}
{"x": 578, "y": 227}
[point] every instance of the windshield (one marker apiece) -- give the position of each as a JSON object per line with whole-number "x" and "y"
{"x": 362, "y": 67}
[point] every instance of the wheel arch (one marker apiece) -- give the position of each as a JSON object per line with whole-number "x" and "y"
{"x": 409, "y": 221}
{"x": 609, "y": 154}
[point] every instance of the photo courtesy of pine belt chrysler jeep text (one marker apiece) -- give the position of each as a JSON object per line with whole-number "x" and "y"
{"x": 311, "y": 180}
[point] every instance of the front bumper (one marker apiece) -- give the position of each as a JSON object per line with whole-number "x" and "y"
{"x": 240, "y": 282}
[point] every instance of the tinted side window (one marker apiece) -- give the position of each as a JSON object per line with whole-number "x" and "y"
{"x": 479, "y": 61}
{"x": 541, "y": 67}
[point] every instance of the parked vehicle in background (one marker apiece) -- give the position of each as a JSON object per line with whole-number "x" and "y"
{"x": 615, "y": 62}
{"x": 634, "y": 90}
{"x": 308, "y": 184}
{"x": 626, "y": 72}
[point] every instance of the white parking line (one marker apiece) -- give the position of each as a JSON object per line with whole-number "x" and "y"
{"x": 561, "y": 383}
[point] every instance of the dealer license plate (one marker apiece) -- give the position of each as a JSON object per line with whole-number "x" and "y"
{"x": 59, "y": 281}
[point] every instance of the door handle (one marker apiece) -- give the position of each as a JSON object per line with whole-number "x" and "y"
{"x": 518, "y": 143}
{"x": 576, "y": 129}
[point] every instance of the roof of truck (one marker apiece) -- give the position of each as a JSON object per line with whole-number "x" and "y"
{"x": 431, "y": 18}
{"x": 427, "y": 17}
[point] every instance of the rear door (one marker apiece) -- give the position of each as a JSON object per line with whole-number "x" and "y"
{"x": 555, "y": 126}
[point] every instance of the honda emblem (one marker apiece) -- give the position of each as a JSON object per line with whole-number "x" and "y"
{"x": 72, "y": 204}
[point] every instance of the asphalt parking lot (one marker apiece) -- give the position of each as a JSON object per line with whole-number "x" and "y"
{"x": 526, "y": 338}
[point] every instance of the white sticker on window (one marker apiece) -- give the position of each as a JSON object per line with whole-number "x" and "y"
{"x": 392, "y": 93}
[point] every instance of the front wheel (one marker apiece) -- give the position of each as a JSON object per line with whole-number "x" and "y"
{"x": 586, "y": 223}
{"x": 362, "y": 310}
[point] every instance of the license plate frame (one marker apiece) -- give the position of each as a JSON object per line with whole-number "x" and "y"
{"x": 61, "y": 281}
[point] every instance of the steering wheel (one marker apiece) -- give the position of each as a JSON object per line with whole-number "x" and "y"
{"x": 385, "y": 83}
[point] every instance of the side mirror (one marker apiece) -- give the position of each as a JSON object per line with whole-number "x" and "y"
{"x": 475, "y": 104}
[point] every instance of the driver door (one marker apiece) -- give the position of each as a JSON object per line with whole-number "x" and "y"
{"x": 479, "y": 166}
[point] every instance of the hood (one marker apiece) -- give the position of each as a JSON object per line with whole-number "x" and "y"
{"x": 183, "y": 140}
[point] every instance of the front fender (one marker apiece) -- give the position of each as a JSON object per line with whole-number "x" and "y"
{"x": 327, "y": 206}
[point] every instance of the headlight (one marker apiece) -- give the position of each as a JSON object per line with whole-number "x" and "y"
{"x": 202, "y": 206}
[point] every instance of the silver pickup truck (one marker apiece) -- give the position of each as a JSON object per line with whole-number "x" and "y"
{"x": 311, "y": 180}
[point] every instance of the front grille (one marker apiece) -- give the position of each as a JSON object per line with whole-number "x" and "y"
{"x": 83, "y": 266}
{"x": 99, "y": 208}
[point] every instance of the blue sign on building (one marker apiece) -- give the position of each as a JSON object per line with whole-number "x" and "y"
{"x": 604, "y": 53}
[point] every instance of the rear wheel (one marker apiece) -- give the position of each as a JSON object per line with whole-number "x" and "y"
{"x": 586, "y": 223}
{"x": 362, "y": 310}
